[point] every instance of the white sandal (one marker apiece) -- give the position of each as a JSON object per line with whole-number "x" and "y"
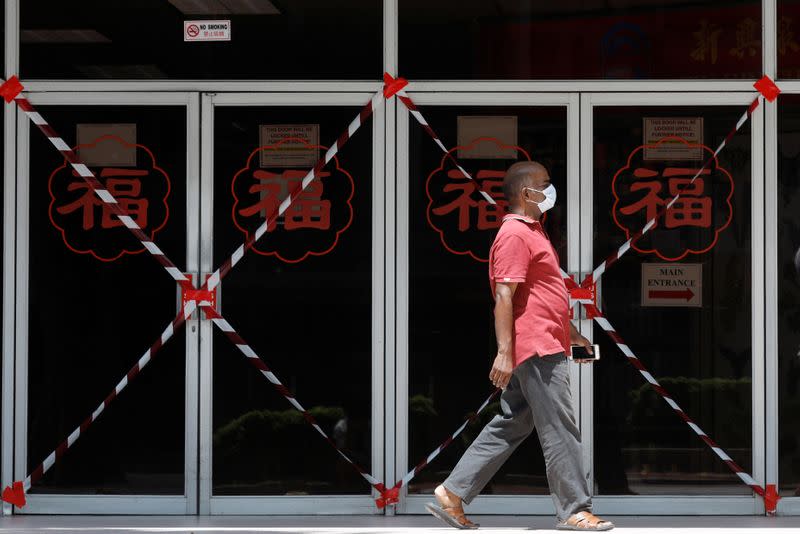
{"x": 585, "y": 521}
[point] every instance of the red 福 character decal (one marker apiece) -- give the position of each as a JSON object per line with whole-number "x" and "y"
{"x": 313, "y": 222}
{"x": 309, "y": 210}
{"x": 88, "y": 225}
{"x": 464, "y": 219}
{"x": 691, "y": 209}
{"x": 642, "y": 189}
{"x": 488, "y": 215}
{"x": 125, "y": 190}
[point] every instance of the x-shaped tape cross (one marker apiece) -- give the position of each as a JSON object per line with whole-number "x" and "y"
{"x": 585, "y": 294}
{"x": 205, "y": 296}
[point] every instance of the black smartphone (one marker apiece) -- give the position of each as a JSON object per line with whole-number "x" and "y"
{"x": 582, "y": 354}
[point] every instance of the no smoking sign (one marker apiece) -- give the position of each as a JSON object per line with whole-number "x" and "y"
{"x": 206, "y": 30}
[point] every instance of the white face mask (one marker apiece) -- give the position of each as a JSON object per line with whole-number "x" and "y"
{"x": 549, "y": 198}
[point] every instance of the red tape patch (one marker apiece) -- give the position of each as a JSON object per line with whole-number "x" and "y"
{"x": 189, "y": 294}
{"x": 199, "y": 294}
{"x": 767, "y": 87}
{"x": 392, "y": 85}
{"x": 15, "y": 495}
{"x": 580, "y": 293}
{"x": 388, "y": 496}
{"x": 771, "y": 499}
{"x": 586, "y": 291}
{"x": 10, "y": 89}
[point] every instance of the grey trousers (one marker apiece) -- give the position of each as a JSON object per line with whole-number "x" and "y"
{"x": 538, "y": 396}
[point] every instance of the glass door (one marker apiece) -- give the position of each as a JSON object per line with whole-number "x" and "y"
{"x": 307, "y": 298}
{"x": 445, "y": 333}
{"x": 687, "y": 299}
{"x": 91, "y": 301}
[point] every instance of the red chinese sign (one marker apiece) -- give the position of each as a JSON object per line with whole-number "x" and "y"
{"x": 312, "y": 224}
{"x": 458, "y": 212}
{"x": 86, "y": 223}
{"x": 684, "y": 41}
{"x": 693, "y": 223}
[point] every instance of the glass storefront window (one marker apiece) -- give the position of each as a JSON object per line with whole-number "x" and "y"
{"x": 789, "y": 294}
{"x": 451, "y": 328}
{"x": 788, "y": 39}
{"x": 453, "y": 39}
{"x": 97, "y": 300}
{"x": 302, "y": 299}
{"x": 681, "y": 299}
{"x": 144, "y": 39}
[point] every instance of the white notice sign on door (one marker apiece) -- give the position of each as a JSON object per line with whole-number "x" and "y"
{"x": 289, "y": 145}
{"x": 673, "y": 137}
{"x": 672, "y": 284}
{"x": 206, "y": 30}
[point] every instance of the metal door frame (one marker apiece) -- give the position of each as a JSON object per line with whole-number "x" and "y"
{"x": 397, "y": 375}
{"x": 313, "y": 504}
{"x": 788, "y": 505}
{"x": 16, "y": 450}
{"x": 682, "y": 504}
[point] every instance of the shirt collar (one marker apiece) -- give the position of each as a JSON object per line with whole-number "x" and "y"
{"x": 522, "y": 218}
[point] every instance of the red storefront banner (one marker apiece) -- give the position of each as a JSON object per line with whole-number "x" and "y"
{"x": 681, "y": 42}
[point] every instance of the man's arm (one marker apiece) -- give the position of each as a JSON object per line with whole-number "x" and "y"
{"x": 500, "y": 375}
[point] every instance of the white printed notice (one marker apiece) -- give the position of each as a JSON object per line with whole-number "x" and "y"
{"x": 671, "y": 138}
{"x": 289, "y": 145}
{"x": 206, "y": 30}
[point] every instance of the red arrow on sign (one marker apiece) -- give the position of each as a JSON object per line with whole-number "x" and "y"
{"x": 685, "y": 294}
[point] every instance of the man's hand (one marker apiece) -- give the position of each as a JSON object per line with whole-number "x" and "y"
{"x": 500, "y": 375}
{"x": 577, "y": 339}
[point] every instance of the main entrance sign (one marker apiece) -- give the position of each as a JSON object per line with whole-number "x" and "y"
{"x": 672, "y": 284}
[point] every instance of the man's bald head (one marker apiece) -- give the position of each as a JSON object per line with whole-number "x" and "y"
{"x": 521, "y": 175}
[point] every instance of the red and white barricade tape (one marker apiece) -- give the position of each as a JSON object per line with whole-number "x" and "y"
{"x": 585, "y": 293}
{"x": 11, "y": 91}
{"x": 769, "y": 494}
{"x": 259, "y": 364}
{"x": 393, "y": 86}
{"x": 446, "y": 443}
{"x": 378, "y": 99}
{"x": 767, "y": 89}
{"x": 417, "y": 114}
{"x": 15, "y": 494}
{"x": 388, "y": 496}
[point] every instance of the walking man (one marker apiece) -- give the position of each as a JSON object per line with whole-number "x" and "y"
{"x": 534, "y": 335}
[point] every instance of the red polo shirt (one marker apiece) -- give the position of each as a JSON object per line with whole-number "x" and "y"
{"x": 522, "y": 253}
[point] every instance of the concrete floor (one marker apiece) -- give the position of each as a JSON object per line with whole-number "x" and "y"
{"x": 376, "y": 525}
